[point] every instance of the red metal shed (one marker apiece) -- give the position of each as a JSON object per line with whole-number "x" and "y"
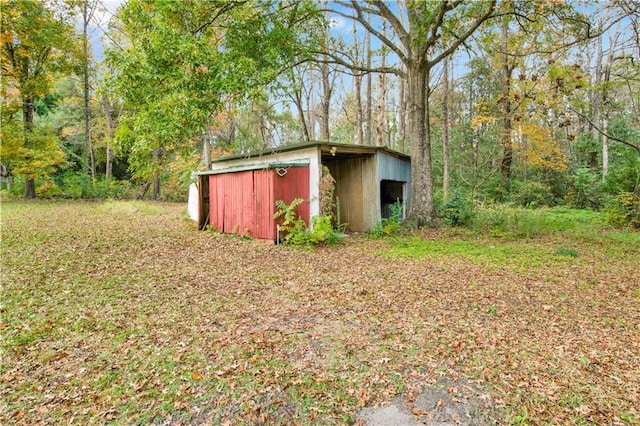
{"x": 243, "y": 202}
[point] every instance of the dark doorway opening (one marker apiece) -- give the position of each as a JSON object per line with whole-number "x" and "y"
{"x": 391, "y": 193}
{"x": 204, "y": 209}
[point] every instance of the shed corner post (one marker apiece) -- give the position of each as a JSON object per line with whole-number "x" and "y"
{"x": 315, "y": 175}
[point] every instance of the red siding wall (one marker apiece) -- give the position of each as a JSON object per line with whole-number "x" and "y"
{"x": 244, "y": 202}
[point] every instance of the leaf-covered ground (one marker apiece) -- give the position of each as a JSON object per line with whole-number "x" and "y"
{"x": 124, "y": 312}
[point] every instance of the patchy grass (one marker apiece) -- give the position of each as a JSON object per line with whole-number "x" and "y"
{"x": 124, "y": 312}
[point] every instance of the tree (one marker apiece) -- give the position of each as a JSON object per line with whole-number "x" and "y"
{"x": 186, "y": 60}
{"x": 431, "y": 32}
{"x": 36, "y": 43}
{"x": 445, "y": 130}
{"x": 88, "y": 10}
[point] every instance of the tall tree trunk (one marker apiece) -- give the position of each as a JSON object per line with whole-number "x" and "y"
{"x": 311, "y": 114}
{"x": 358, "y": 82}
{"x": 108, "y": 172}
{"x": 156, "y": 186}
{"x": 27, "y": 117}
{"x": 596, "y": 101}
{"x": 605, "y": 145}
{"x": 107, "y": 109}
{"x": 143, "y": 190}
{"x": 380, "y": 112}
{"x": 156, "y": 176}
{"x": 367, "y": 108}
{"x": 206, "y": 148}
{"x": 606, "y": 77}
{"x": 298, "y": 101}
{"x": 445, "y": 130}
{"x": 88, "y": 146}
{"x": 325, "y": 103}
{"x": 422, "y": 212}
{"x": 507, "y": 147}
{"x": 382, "y": 94}
{"x": 402, "y": 114}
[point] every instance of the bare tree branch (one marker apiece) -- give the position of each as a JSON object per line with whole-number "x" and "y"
{"x": 603, "y": 133}
{"x": 479, "y": 21}
{"x": 395, "y": 23}
{"x": 360, "y": 18}
{"x": 338, "y": 60}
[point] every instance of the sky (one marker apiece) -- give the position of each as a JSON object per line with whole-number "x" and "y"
{"x": 105, "y": 9}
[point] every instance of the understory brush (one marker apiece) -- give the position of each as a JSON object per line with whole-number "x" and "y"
{"x": 296, "y": 232}
{"x": 390, "y": 225}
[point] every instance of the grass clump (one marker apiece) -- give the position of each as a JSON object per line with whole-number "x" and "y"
{"x": 505, "y": 221}
{"x": 567, "y": 252}
{"x": 480, "y": 251}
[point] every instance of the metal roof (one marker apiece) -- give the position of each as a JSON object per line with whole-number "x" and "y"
{"x": 326, "y": 149}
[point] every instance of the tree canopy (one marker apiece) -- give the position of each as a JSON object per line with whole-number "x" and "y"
{"x": 36, "y": 44}
{"x": 184, "y": 61}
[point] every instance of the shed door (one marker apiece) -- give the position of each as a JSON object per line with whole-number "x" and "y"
{"x": 391, "y": 193}
{"x": 244, "y": 202}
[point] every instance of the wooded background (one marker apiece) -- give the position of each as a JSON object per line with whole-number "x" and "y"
{"x": 535, "y": 103}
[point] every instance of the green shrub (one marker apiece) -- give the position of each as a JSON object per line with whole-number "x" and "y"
{"x": 507, "y": 221}
{"x": 586, "y": 190}
{"x": 324, "y": 232}
{"x": 623, "y": 210}
{"x": 532, "y": 194}
{"x": 391, "y": 225}
{"x": 292, "y": 225}
{"x": 297, "y": 233}
{"x": 457, "y": 211}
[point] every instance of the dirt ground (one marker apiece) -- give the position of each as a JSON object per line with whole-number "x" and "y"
{"x": 445, "y": 403}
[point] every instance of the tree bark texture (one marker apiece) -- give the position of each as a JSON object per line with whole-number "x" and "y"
{"x": 89, "y": 157}
{"x": 325, "y": 102}
{"x": 402, "y": 115}
{"x": 422, "y": 211}
{"x": 507, "y": 70}
{"x": 368, "y": 104}
{"x": 358, "y": 83}
{"x": 27, "y": 117}
{"x": 445, "y": 131}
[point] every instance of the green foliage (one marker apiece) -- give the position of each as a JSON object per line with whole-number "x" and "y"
{"x": 296, "y": 232}
{"x": 478, "y": 251}
{"x": 506, "y": 221}
{"x": 323, "y": 231}
{"x": 623, "y": 210}
{"x": 532, "y": 194}
{"x": 457, "y": 211}
{"x": 77, "y": 185}
{"x": 392, "y": 225}
{"x": 585, "y": 189}
{"x": 515, "y": 223}
{"x": 36, "y": 43}
{"x": 567, "y": 252}
{"x": 292, "y": 224}
{"x": 31, "y": 154}
{"x": 185, "y": 61}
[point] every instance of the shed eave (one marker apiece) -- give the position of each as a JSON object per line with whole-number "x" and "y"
{"x": 326, "y": 148}
{"x": 262, "y": 166}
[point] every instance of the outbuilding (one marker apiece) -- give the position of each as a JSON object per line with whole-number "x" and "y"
{"x": 238, "y": 193}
